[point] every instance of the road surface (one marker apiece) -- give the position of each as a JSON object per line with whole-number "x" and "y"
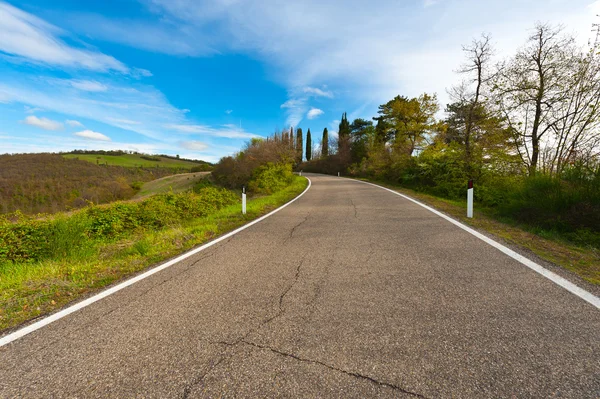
{"x": 350, "y": 291}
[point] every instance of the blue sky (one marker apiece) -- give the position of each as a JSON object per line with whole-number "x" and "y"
{"x": 200, "y": 78}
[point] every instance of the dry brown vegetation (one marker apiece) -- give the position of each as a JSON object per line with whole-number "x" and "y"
{"x": 47, "y": 183}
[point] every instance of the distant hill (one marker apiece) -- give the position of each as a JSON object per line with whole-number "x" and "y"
{"x": 34, "y": 183}
{"x": 121, "y": 158}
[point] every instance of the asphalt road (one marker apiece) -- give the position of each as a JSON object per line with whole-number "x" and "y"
{"x": 350, "y": 291}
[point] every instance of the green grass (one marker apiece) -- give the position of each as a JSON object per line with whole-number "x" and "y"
{"x": 133, "y": 160}
{"x": 176, "y": 184}
{"x": 29, "y": 290}
{"x": 579, "y": 259}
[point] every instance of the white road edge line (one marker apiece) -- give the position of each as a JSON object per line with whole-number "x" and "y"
{"x": 80, "y": 305}
{"x": 563, "y": 282}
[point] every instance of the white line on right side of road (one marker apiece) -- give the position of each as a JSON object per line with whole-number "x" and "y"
{"x": 563, "y": 282}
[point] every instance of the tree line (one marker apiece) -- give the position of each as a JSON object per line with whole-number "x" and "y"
{"x": 525, "y": 128}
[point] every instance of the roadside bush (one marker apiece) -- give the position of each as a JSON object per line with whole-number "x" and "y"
{"x": 237, "y": 171}
{"x": 24, "y": 238}
{"x": 205, "y": 167}
{"x": 270, "y": 178}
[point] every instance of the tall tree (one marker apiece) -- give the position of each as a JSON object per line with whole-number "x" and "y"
{"x": 410, "y": 120}
{"x": 382, "y": 135}
{"x": 291, "y": 136}
{"x": 361, "y": 132}
{"x": 308, "y": 146}
{"x": 325, "y": 143}
{"x": 344, "y": 140}
{"x": 531, "y": 86}
{"x": 469, "y": 104}
{"x": 299, "y": 146}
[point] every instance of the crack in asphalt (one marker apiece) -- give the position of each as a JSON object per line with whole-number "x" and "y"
{"x": 296, "y": 277}
{"x": 279, "y": 313}
{"x": 293, "y": 230}
{"x": 188, "y": 388}
{"x": 317, "y": 362}
{"x": 355, "y": 209}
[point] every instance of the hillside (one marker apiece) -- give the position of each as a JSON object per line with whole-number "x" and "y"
{"x": 176, "y": 184}
{"x": 137, "y": 160}
{"x": 34, "y": 183}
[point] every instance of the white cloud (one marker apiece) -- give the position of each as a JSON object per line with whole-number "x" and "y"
{"x": 121, "y": 106}
{"x": 32, "y": 110}
{"x": 313, "y": 113}
{"x": 193, "y": 145}
{"x": 88, "y": 85}
{"x": 123, "y": 121}
{"x": 229, "y": 111}
{"x": 224, "y": 131}
{"x": 88, "y": 134}
{"x": 382, "y": 58}
{"x": 295, "y": 110}
{"x": 318, "y": 92}
{"x": 43, "y": 123}
{"x": 73, "y": 123}
{"x": 29, "y": 38}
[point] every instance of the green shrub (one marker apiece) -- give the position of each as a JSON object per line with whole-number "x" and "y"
{"x": 270, "y": 178}
{"x": 24, "y": 238}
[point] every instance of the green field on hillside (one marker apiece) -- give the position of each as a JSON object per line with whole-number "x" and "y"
{"x": 175, "y": 184}
{"x": 134, "y": 160}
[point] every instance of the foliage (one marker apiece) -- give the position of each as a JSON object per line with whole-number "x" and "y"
{"x": 308, "y": 145}
{"x": 271, "y": 178}
{"x": 237, "y": 171}
{"x": 24, "y": 238}
{"x": 325, "y": 143}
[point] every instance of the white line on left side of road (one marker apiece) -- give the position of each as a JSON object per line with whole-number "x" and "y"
{"x": 555, "y": 278}
{"x": 80, "y": 305}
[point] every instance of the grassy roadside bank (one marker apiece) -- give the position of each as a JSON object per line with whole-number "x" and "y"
{"x": 29, "y": 289}
{"x": 584, "y": 261}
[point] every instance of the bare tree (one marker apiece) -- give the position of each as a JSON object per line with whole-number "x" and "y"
{"x": 529, "y": 88}
{"x": 468, "y": 95}
{"x": 576, "y": 131}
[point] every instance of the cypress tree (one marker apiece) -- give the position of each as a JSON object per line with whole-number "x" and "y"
{"x": 292, "y": 146}
{"x": 344, "y": 140}
{"x": 325, "y": 143}
{"x": 299, "y": 145}
{"x": 344, "y": 128}
{"x": 308, "y": 146}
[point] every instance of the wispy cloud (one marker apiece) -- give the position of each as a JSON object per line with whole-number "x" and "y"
{"x": 88, "y": 85}
{"x": 32, "y": 110}
{"x": 43, "y": 123}
{"x": 314, "y": 112}
{"x": 73, "y": 123}
{"x": 295, "y": 109}
{"x": 229, "y": 111}
{"x": 123, "y": 121}
{"x": 120, "y": 107}
{"x": 317, "y": 92}
{"x": 91, "y": 135}
{"x": 429, "y": 3}
{"x": 29, "y": 38}
{"x": 193, "y": 145}
{"x": 224, "y": 131}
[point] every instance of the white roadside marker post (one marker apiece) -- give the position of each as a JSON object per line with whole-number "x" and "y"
{"x": 300, "y": 173}
{"x": 244, "y": 200}
{"x": 470, "y": 200}
{"x": 338, "y": 174}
